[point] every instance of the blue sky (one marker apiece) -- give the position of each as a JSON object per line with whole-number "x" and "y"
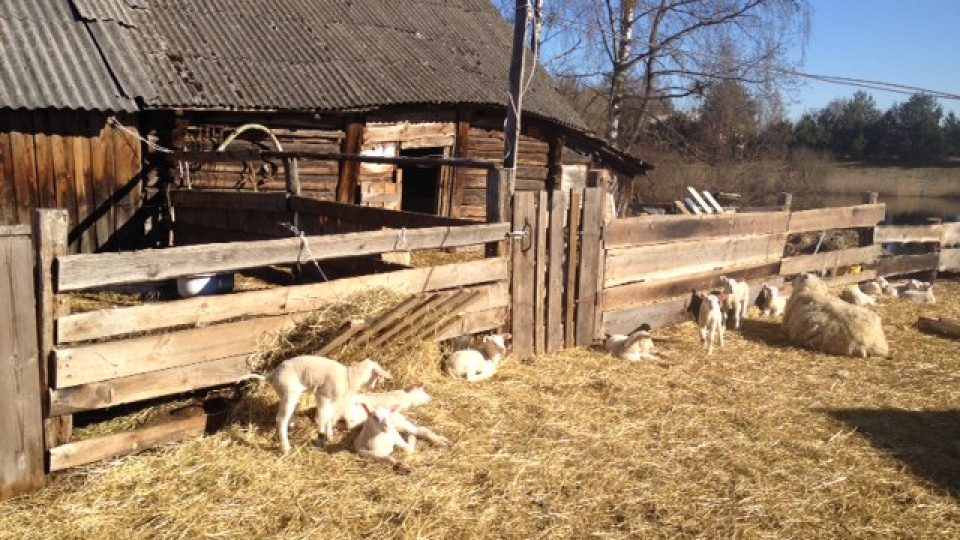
{"x": 911, "y": 42}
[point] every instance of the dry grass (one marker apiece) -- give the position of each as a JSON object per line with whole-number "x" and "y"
{"x": 761, "y": 440}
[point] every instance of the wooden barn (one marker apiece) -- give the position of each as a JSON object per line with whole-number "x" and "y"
{"x": 82, "y": 78}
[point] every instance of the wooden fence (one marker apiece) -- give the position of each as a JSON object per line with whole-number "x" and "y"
{"x": 554, "y": 273}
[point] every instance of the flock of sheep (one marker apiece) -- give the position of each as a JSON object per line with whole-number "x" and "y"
{"x": 812, "y": 317}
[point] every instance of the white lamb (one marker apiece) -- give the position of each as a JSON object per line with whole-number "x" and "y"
{"x": 855, "y": 296}
{"x": 770, "y": 301}
{"x": 924, "y": 296}
{"x": 633, "y": 347}
{"x": 358, "y": 414}
{"x": 353, "y": 415}
{"x": 816, "y": 319}
{"x": 474, "y": 365}
{"x": 873, "y": 288}
{"x": 329, "y": 380}
{"x": 737, "y": 299}
{"x": 710, "y": 320}
{"x": 381, "y": 431}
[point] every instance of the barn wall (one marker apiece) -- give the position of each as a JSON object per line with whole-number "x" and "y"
{"x": 73, "y": 160}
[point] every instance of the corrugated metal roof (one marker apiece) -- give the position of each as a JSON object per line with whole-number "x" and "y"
{"x": 330, "y": 55}
{"x": 49, "y": 60}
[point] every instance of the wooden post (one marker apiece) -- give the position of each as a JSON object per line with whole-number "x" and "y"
{"x": 591, "y": 247}
{"x": 866, "y": 234}
{"x": 540, "y": 275}
{"x": 511, "y": 133}
{"x": 935, "y": 248}
{"x": 555, "y": 164}
{"x": 292, "y": 176}
{"x": 498, "y": 210}
{"x": 350, "y": 170}
{"x": 21, "y": 395}
{"x": 558, "y": 208}
{"x": 573, "y": 263}
{"x": 785, "y": 201}
{"x": 523, "y": 267}
{"x": 50, "y": 228}
{"x": 461, "y": 149}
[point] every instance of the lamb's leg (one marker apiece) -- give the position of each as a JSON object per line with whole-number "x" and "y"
{"x": 289, "y": 399}
{"x": 325, "y": 415}
{"x": 710, "y": 333}
{"x": 406, "y": 426}
{"x": 721, "y": 331}
{"x": 397, "y": 466}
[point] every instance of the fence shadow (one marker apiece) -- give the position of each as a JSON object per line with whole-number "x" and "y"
{"x": 928, "y": 442}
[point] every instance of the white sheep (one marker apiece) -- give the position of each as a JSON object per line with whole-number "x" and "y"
{"x": 353, "y": 415}
{"x": 379, "y": 436}
{"x": 329, "y": 380}
{"x": 770, "y": 301}
{"x": 737, "y": 299}
{"x": 816, "y": 319}
{"x": 633, "y": 347}
{"x": 873, "y": 288}
{"x": 855, "y": 296}
{"x": 474, "y": 365}
{"x": 710, "y": 319}
{"x": 924, "y": 296}
{"x": 358, "y": 413}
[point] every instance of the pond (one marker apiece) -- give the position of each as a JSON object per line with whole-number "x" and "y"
{"x": 900, "y": 210}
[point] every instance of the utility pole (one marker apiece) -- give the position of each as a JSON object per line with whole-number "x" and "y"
{"x": 511, "y": 135}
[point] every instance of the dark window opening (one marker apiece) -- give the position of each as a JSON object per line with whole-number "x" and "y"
{"x": 421, "y": 183}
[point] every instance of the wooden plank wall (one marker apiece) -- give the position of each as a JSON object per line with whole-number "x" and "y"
{"x": 21, "y": 418}
{"x": 652, "y": 262}
{"x": 74, "y": 161}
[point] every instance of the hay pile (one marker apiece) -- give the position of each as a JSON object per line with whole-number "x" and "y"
{"x": 761, "y": 440}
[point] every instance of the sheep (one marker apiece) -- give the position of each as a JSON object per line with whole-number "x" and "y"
{"x": 816, "y": 319}
{"x": 353, "y": 415}
{"x": 634, "y": 347}
{"x": 916, "y": 285}
{"x": 379, "y": 436}
{"x": 329, "y": 380}
{"x": 855, "y": 296}
{"x": 770, "y": 301}
{"x": 924, "y": 296}
{"x": 474, "y": 365}
{"x": 737, "y": 299}
{"x": 710, "y": 319}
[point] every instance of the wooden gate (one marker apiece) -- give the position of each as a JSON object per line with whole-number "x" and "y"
{"x": 21, "y": 421}
{"x": 556, "y": 255}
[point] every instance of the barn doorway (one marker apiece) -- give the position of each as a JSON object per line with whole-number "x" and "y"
{"x": 421, "y": 183}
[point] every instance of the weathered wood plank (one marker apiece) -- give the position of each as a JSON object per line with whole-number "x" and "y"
{"x": 188, "y": 424}
{"x": 115, "y": 359}
{"x": 591, "y": 247}
{"x": 656, "y": 229}
{"x": 377, "y": 217}
{"x": 144, "y": 386}
{"x": 523, "y": 275}
{"x": 657, "y": 314}
{"x": 908, "y": 264}
{"x": 350, "y": 170}
{"x": 474, "y": 322}
{"x": 573, "y": 264}
{"x": 666, "y": 261}
{"x": 21, "y": 415}
{"x": 829, "y": 260}
{"x": 23, "y": 152}
{"x": 14, "y": 230}
{"x": 634, "y": 294}
{"x": 205, "y": 310}
{"x": 555, "y": 247}
{"x": 84, "y": 271}
{"x": 846, "y": 217}
{"x": 540, "y": 276}
{"x": 900, "y": 234}
{"x": 226, "y": 200}
{"x": 950, "y": 260}
{"x": 8, "y": 192}
{"x": 50, "y": 238}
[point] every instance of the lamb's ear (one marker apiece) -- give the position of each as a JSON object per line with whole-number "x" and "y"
{"x": 382, "y": 373}
{"x": 507, "y": 336}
